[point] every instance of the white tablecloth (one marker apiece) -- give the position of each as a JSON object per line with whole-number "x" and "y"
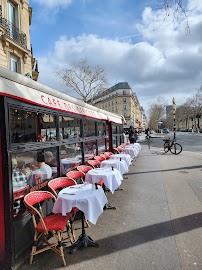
{"x": 111, "y": 178}
{"x": 130, "y": 151}
{"x": 125, "y": 157}
{"x": 121, "y": 166}
{"x": 89, "y": 201}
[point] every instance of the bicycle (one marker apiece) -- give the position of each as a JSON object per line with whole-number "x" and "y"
{"x": 172, "y": 146}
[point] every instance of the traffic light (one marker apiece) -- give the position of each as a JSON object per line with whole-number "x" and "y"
{"x": 199, "y": 117}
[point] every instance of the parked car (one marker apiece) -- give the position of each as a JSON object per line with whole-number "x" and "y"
{"x": 165, "y": 130}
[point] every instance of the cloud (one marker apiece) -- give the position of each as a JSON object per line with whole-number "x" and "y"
{"x": 54, "y": 3}
{"x": 167, "y": 62}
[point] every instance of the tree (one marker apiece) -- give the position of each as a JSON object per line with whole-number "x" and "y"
{"x": 156, "y": 112}
{"x": 83, "y": 79}
{"x": 174, "y": 9}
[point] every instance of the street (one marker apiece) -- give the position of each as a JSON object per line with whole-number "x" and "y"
{"x": 190, "y": 141}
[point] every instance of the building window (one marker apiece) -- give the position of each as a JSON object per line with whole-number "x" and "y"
{"x": 109, "y": 104}
{"x": 116, "y": 108}
{"x": 124, "y": 92}
{"x": 124, "y": 106}
{"x": 116, "y": 101}
{"x": 125, "y": 115}
{"x": 124, "y": 99}
{"x": 112, "y": 103}
{"x": 14, "y": 63}
{"x": 12, "y": 15}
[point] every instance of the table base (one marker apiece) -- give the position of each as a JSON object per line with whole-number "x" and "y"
{"x": 84, "y": 240}
{"x": 109, "y": 206}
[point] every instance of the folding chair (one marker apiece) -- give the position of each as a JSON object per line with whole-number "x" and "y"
{"x": 55, "y": 224}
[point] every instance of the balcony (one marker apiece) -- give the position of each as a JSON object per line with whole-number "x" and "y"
{"x": 13, "y": 32}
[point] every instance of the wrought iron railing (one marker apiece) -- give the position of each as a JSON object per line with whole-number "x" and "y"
{"x": 13, "y": 32}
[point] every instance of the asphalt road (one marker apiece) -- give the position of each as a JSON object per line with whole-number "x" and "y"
{"x": 190, "y": 141}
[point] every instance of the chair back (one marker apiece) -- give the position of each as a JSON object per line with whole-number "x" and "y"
{"x": 108, "y": 153}
{"x": 120, "y": 148}
{"x": 99, "y": 158}
{"x": 59, "y": 183}
{"x": 84, "y": 168}
{"x": 93, "y": 163}
{"x": 105, "y": 156}
{"x": 116, "y": 150}
{"x": 75, "y": 175}
{"x": 35, "y": 198}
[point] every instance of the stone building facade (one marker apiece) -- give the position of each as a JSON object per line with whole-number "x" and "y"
{"x": 15, "y": 47}
{"x": 120, "y": 99}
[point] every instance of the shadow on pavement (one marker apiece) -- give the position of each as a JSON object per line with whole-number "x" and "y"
{"x": 122, "y": 241}
{"x": 168, "y": 170}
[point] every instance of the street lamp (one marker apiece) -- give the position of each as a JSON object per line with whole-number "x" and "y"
{"x": 174, "y": 112}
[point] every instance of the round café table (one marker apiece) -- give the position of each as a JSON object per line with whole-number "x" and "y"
{"x": 127, "y": 158}
{"x": 111, "y": 178}
{"x": 87, "y": 199}
{"x": 120, "y": 165}
{"x": 130, "y": 151}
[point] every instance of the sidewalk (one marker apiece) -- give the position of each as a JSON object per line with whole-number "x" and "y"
{"x": 157, "y": 223}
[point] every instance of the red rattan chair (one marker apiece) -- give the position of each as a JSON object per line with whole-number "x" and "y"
{"x": 105, "y": 156}
{"x": 56, "y": 185}
{"x": 54, "y": 224}
{"x": 84, "y": 168}
{"x": 108, "y": 153}
{"x": 93, "y": 163}
{"x": 99, "y": 158}
{"x": 116, "y": 150}
{"x": 59, "y": 183}
{"x": 120, "y": 148}
{"x": 76, "y": 175}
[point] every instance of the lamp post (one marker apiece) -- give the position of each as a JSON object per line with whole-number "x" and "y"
{"x": 174, "y": 112}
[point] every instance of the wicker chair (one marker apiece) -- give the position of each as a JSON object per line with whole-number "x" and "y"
{"x": 54, "y": 224}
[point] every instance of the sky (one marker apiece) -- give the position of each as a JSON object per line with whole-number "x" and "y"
{"x": 130, "y": 39}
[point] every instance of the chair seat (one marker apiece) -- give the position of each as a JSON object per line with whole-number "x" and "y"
{"x": 54, "y": 222}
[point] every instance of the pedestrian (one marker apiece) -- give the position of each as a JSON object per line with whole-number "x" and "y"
{"x": 132, "y": 135}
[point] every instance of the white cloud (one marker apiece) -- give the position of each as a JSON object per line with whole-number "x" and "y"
{"x": 166, "y": 63}
{"x": 53, "y": 3}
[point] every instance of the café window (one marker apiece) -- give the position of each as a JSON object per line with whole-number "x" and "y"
{"x": 90, "y": 149}
{"x": 114, "y": 141}
{"x": 31, "y": 171}
{"x": 114, "y": 129}
{"x": 89, "y": 128}
{"x": 101, "y": 146}
{"x": 27, "y": 126}
{"x": 101, "y": 128}
{"x": 71, "y": 157}
{"x": 69, "y": 127}
{"x": 120, "y": 128}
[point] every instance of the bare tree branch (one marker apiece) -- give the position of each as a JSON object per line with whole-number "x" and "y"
{"x": 83, "y": 79}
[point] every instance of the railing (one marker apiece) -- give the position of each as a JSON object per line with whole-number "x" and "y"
{"x": 13, "y": 32}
